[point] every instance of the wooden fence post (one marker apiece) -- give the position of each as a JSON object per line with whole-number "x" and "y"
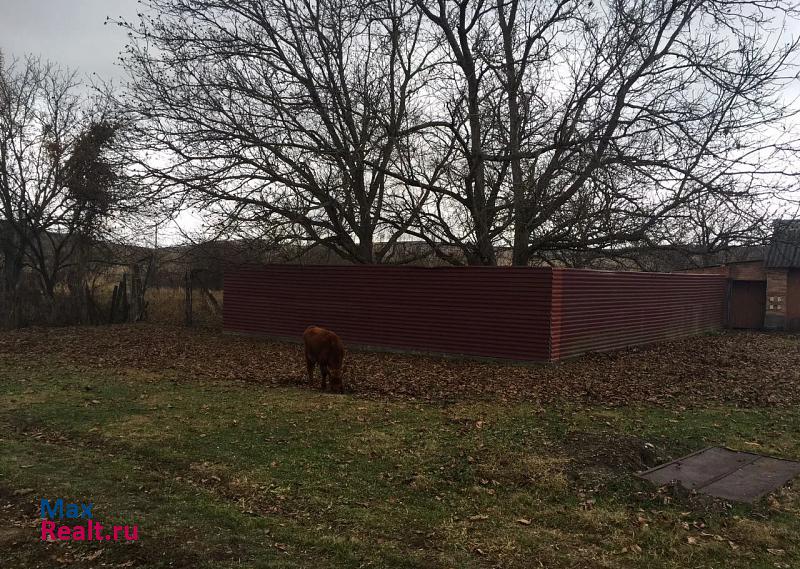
{"x": 114, "y": 302}
{"x": 123, "y": 298}
{"x": 188, "y": 298}
{"x": 136, "y": 285}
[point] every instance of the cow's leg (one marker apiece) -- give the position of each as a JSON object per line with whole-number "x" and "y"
{"x": 324, "y": 373}
{"x": 310, "y": 363}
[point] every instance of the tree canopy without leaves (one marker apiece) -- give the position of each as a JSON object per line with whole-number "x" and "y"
{"x": 585, "y": 126}
{"x": 59, "y": 181}
{"x": 282, "y": 115}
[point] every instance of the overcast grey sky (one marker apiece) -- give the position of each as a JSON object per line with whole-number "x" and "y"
{"x": 68, "y": 32}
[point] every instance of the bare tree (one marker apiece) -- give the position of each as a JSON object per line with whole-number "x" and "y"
{"x": 467, "y": 124}
{"x": 617, "y": 120}
{"x": 482, "y": 95}
{"x": 57, "y": 186}
{"x": 41, "y": 115}
{"x": 470, "y": 185}
{"x": 281, "y": 114}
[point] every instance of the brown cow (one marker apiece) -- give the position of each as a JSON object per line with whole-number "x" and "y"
{"x": 325, "y": 348}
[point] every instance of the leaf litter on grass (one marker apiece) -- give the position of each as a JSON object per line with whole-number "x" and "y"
{"x": 745, "y": 369}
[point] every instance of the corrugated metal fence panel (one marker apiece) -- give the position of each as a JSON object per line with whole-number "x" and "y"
{"x": 599, "y": 311}
{"x": 492, "y": 312}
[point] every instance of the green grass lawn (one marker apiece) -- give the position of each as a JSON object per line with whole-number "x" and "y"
{"x": 227, "y": 474}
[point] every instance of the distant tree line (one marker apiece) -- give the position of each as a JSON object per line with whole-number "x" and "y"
{"x": 541, "y": 126}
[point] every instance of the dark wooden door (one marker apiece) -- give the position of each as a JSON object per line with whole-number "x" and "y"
{"x": 747, "y": 304}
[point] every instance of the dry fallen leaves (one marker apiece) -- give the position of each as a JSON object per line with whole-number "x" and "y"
{"x": 747, "y": 369}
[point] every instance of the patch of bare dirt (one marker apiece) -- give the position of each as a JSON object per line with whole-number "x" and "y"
{"x": 608, "y": 451}
{"x": 745, "y": 369}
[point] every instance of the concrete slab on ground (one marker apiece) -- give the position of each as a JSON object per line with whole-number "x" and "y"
{"x": 727, "y": 474}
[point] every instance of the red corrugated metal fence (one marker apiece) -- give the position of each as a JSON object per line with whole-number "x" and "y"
{"x": 595, "y": 311}
{"x": 492, "y": 312}
{"x": 536, "y": 314}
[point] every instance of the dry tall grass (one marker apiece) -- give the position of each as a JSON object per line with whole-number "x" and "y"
{"x": 166, "y": 306}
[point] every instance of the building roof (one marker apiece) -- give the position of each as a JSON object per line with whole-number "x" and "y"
{"x": 784, "y": 246}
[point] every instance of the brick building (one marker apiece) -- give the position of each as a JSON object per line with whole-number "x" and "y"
{"x": 765, "y": 293}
